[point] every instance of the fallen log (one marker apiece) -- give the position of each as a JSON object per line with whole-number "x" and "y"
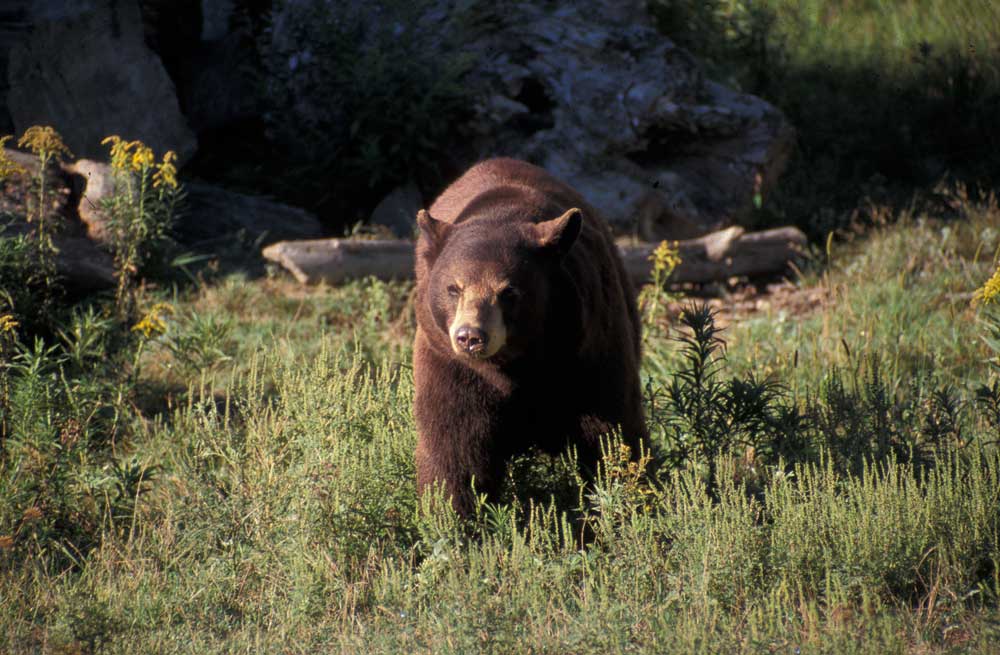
{"x": 716, "y": 256}
{"x": 337, "y": 260}
{"x": 731, "y": 252}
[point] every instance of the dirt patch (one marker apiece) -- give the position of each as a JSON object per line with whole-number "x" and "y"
{"x": 747, "y": 300}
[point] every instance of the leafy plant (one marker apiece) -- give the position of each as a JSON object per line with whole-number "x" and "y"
{"x": 27, "y": 289}
{"x": 85, "y": 339}
{"x": 141, "y": 208}
{"x": 698, "y": 417}
{"x": 364, "y": 99}
{"x": 199, "y": 342}
{"x": 48, "y": 145}
{"x": 7, "y": 166}
{"x": 654, "y": 297}
{"x": 28, "y": 276}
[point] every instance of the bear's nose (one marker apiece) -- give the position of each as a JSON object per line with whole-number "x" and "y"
{"x": 471, "y": 340}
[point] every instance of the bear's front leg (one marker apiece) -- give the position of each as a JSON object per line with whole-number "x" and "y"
{"x": 456, "y": 414}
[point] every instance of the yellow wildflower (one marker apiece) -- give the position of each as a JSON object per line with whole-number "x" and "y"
{"x": 166, "y": 171}
{"x": 7, "y": 324}
{"x": 119, "y": 152}
{"x": 7, "y": 167}
{"x": 153, "y": 323}
{"x": 44, "y": 142}
{"x": 988, "y": 293}
{"x": 142, "y": 156}
{"x": 665, "y": 259}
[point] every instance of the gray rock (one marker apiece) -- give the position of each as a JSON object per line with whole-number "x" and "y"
{"x": 15, "y": 24}
{"x": 86, "y": 70}
{"x": 590, "y": 90}
{"x": 213, "y": 213}
{"x": 208, "y": 212}
{"x": 634, "y": 124}
{"x": 17, "y": 193}
{"x": 398, "y": 210}
{"x": 93, "y": 182}
{"x": 81, "y": 264}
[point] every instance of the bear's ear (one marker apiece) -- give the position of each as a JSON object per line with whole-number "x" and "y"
{"x": 432, "y": 229}
{"x": 560, "y": 233}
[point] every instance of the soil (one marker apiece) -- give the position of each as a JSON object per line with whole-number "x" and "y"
{"x": 747, "y": 299}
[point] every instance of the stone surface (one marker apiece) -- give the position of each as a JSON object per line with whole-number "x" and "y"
{"x": 398, "y": 210}
{"x": 18, "y": 194}
{"x": 586, "y": 88}
{"x": 591, "y": 91}
{"x": 213, "y": 213}
{"x": 635, "y": 126}
{"x": 83, "y": 266}
{"x": 207, "y": 213}
{"x": 86, "y": 70}
{"x": 15, "y": 24}
{"x": 92, "y": 181}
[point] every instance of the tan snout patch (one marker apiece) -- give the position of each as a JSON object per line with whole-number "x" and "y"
{"x": 479, "y": 308}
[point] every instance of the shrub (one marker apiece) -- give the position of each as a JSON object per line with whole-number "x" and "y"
{"x": 67, "y": 373}
{"x": 365, "y": 97}
{"x": 697, "y": 417}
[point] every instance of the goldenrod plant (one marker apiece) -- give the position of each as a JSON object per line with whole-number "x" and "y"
{"x": 989, "y": 293}
{"x": 985, "y": 299}
{"x": 152, "y": 325}
{"x": 8, "y": 337}
{"x": 8, "y": 167}
{"x": 45, "y": 142}
{"x": 655, "y": 296}
{"x": 28, "y": 275}
{"x": 142, "y": 208}
{"x": 28, "y": 262}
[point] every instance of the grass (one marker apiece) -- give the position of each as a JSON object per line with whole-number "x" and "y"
{"x": 901, "y": 294}
{"x": 242, "y": 479}
{"x": 888, "y": 96}
{"x": 270, "y": 504}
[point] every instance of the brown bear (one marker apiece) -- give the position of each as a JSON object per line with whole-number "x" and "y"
{"x": 527, "y": 330}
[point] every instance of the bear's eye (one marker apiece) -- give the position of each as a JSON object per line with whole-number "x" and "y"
{"x": 454, "y": 291}
{"x": 510, "y": 294}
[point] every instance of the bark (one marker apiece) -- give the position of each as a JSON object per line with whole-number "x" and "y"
{"x": 716, "y": 256}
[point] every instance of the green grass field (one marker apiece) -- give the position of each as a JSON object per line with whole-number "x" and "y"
{"x": 228, "y": 467}
{"x": 889, "y": 97}
{"x": 263, "y": 500}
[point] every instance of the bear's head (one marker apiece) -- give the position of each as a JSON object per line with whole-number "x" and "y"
{"x": 488, "y": 282}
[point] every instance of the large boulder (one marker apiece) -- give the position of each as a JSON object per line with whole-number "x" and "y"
{"x": 397, "y": 212}
{"x": 81, "y": 264}
{"x": 213, "y": 213}
{"x": 625, "y": 116}
{"x": 208, "y": 213}
{"x": 15, "y": 26}
{"x": 86, "y": 70}
{"x": 589, "y": 90}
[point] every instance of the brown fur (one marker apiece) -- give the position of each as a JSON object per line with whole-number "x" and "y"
{"x": 569, "y": 368}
